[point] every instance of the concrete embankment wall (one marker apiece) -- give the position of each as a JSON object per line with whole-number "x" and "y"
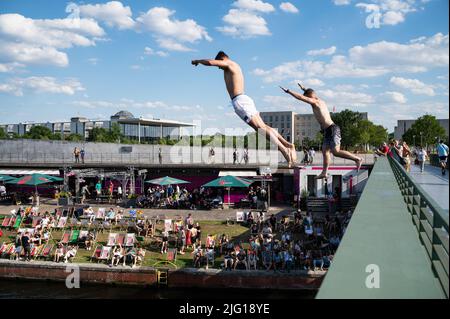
{"x": 147, "y": 276}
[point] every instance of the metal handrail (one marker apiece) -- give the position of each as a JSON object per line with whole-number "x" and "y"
{"x": 431, "y": 222}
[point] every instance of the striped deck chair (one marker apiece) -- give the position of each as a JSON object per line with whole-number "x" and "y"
{"x": 120, "y": 239}
{"x": 73, "y": 222}
{"x": 123, "y": 224}
{"x": 61, "y": 223}
{"x": 65, "y": 238}
{"x": 96, "y": 253}
{"x": 105, "y": 254}
{"x": 74, "y": 235}
{"x": 100, "y": 213}
{"x": 36, "y": 221}
{"x": 45, "y": 251}
{"x": 112, "y": 239}
{"x": 35, "y": 250}
{"x": 6, "y": 222}
{"x": 3, "y": 248}
{"x": 130, "y": 239}
{"x": 106, "y": 225}
{"x": 10, "y": 250}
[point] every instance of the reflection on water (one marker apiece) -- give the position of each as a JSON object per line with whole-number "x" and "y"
{"x": 14, "y": 289}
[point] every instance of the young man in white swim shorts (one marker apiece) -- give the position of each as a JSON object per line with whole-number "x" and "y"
{"x": 244, "y": 105}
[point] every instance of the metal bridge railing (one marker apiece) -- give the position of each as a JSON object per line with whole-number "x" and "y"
{"x": 430, "y": 220}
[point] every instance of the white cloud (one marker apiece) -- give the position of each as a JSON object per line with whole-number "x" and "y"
{"x": 93, "y": 61}
{"x": 392, "y": 12}
{"x": 40, "y": 41}
{"x": 345, "y": 98}
{"x": 311, "y": 83}
{"x": 172, "y": 45}
{"x": 373, "y": 60}
{"x": 328, "y": 51}
{"x": 244, "y": 24}
{"x": 35, "y": 84}
{"x": 150, "y": 51}
{"x": 395, "y": 97}
{"x": 169, "y": 32}
{"x": 342, "y": 2}
{"x": 288, "y": 7}
{"x": 10, "y": 67}
{"x": 112, "y": 13}
{"x": 254, "y": 5}
{"x": 415, "y": 86}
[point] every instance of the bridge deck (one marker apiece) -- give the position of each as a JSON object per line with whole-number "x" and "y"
{"x": 381, "y": 232}
{"x": 432, "y": 181}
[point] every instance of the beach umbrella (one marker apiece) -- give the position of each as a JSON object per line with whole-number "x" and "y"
{"x": 229, "y": 182}
{"x": 34, "y": 180}
{"x": 5, "y": 178}
{"x": 165, "y": 181}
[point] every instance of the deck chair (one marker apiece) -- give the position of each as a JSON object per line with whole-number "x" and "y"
{"x": 96, "y": 253}
{"x": 106, "y": 225}
{"x": 130, "y": 239}
{"x": 65, "y": 238}
{"x": 74, "y": 237}
{"x": 10, "y": 249}
{"x": 100, "y": 214}
{"x": 45, "y": 251}
{"x": 61, "y": 223}
{"x": 73, "y": 222}
{"x": 17, "y": 222}
{"x": 35, "y": 250}
{"x": 85, "y": 223}
{"x": 36, "y": 221}
{"x": 112, "y": 239}
{"x": 3, "y": 248}
{"x": 120, "y": 239}
{"x": 6, "y": 222}
{"x": 105, "y": 254}
{"x": 123, "y": 224}
{"x": 171, "y": 258}
{"x": 209, "y": 258}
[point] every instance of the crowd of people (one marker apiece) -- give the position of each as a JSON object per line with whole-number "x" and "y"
{"x": 406, "y": 155}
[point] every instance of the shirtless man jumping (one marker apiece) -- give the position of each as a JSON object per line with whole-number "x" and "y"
{"x": 332, "y": 132}
{"x": 244, "y": 105}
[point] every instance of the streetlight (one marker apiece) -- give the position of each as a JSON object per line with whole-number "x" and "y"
{"x": 414, "y": 137}
{"x": 421, "y": 139}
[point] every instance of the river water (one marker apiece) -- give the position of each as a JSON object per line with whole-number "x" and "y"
{"x": 15, "y": 289}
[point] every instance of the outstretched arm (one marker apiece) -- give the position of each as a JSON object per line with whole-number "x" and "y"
{"x": 217, "y": 63}
{"x": 300, "y": 97}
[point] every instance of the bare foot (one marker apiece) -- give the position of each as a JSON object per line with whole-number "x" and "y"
{"x": 324, "y": 175}
{"x": 293, "y": 153}
{"x": 359, "y": 163}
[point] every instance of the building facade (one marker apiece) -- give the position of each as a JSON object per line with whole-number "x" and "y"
{"x": 404, "y": 125}
{"x": 295, "y": 128}
{"x": 139, "y": 129}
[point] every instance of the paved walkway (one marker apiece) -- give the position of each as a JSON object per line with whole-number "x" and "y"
{"x": 432, "y": 181}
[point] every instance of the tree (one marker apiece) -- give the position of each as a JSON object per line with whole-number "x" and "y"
{"x": 426, "y": 131}
{"x": 74, "y": 138}
{"x": 99, "y": 134}
{"x": 347, "y": 120}
{"x": 39, "y": 133}
{"x": 2, "y": 134}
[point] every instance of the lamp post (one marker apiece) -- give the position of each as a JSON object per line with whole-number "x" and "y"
{"x": 421, "y": 139}
{"x": 414, "y": 138}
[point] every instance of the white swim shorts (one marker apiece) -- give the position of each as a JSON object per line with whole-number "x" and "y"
{"x": 244, "y": 107}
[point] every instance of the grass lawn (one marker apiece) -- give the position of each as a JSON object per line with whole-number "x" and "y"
{"x": 235, "y": 232}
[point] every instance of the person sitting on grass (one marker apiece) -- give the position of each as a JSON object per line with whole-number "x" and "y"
{"x": 59, "y": 253}
{"x": 117, "y": 255}
{"x": 110, "y": 215}
{"x": 89, "y": 240}
{"x": 241, "y": 259}
{"x": 267, "y": 259}
{"x": 252, "y": 257}
{"x": 198, "y": 256}
{"x": 130, "y": 256}
{"x": 70, "y": 254}
{"x": 140, "y": 256}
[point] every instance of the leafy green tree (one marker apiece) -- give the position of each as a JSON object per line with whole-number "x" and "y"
{"x": 348, "y": 121}
{"x": 2, "y": 134}
{"x": 426, "y": 130}
{"x": 74, "y": 138}
{"x": 115, "y": 133}
{"x": 39, "y": 133}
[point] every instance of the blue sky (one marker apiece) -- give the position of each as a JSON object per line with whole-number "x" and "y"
{"x": 135, "y": 55}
